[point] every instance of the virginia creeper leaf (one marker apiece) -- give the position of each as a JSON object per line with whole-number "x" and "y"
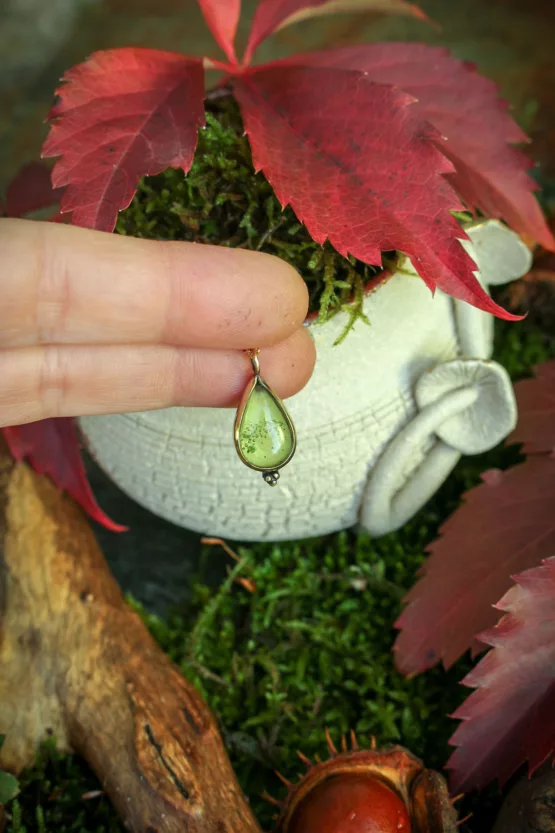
{"x": 536, "y": 411}
{"x": 480, "y": 546}
{"x": 222, "y": 17}
{"x": 31, "y": 190}
{"x": 122, "y": 114}
{"x": 52, "y": 448}
{"x": 360, "y": 168}
{"x": 272, "y": 15}
{"x": 507, "y": 524}
{"x": 475, "y": 129}
{"x": 510, "y": 717}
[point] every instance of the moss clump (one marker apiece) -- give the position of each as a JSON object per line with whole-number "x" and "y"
{"x": 310, "y": 648}
{"x": 9, "y": 786}
{"x": 61, "y": 795}
{"x": 223, "y": 201}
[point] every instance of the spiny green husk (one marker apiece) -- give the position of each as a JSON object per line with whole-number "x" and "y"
{"x": 223, "y": 201}
{"x": 310, "y": 648}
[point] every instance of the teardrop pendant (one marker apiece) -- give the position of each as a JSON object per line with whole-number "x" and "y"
{"x": 265, "y": 436}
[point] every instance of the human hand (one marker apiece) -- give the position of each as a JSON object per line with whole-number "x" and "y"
{"x": 94, "y": 323}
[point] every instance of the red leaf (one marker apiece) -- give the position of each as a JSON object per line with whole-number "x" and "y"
{"x": 52, "y": 448}
{"x": 358, "y": 167}
{"x": 222, "y": 17}
{"x": 31, "y": 190}
{"x": 511, "y": 716}
{"x": 272, "y": 15}
{"x": 506, "y": 525}
{"x": 267, "y": 18}
{"x": 536, "y": 411}
{"x": 123, "y": 114}
{"x": 475, "y": 127}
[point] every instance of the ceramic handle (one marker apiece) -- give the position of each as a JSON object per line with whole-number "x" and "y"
{"x": 387, "y": 504}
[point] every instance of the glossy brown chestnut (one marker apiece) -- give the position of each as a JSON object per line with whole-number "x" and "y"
{"x": 367, "y": 791}
{"x": 351, "y": 804}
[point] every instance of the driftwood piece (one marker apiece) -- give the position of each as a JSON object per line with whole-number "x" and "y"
{"x": 530, "y": 806}
{"x": 77, "y": 663}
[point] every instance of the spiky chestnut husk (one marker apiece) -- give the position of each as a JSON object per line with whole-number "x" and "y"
{"x": 367, "y": 791}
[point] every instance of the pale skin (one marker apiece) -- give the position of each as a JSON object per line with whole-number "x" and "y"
{"x": 94, "y": 323}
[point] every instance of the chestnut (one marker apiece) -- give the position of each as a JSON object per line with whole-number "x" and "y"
{"x": 367, "y": 791}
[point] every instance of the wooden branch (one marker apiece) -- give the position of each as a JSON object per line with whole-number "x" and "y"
{"x": 77, "y": 663}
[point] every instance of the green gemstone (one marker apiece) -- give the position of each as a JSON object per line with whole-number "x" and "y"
{"x": 265, "y": 436}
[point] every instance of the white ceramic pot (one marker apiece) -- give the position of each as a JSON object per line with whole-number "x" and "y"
{"x": 382, "y": 422}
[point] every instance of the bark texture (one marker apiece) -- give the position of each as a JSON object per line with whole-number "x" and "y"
{"x": 76, "y": 662}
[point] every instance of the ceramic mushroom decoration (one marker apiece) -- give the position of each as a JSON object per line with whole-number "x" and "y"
{"x": 383, "y": 421}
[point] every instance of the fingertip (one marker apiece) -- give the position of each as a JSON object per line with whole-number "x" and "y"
{"x": 232, "y": 298}
{"x": 293, "y": 288}
{"x": 283, "y": 296}
{"x": 288, "y": 366}
{"x": 279, "y": 292}
{"x": 212, "y": 378}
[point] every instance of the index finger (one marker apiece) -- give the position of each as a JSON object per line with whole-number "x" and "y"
{"x": 65, "y": 285}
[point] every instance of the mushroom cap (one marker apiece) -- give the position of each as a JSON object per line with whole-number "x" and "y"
{"x": 500, "y": 254}
{"x": 485, "y": 422}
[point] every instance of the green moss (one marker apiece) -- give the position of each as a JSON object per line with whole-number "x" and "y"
{"x": 310, "y": 648}
{"x": 223, "y": 201}
{"x": 9, "y": 786}
{"x": 61, "y": 795}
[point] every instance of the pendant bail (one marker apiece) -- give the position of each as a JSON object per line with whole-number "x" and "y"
{"x": 253, "y": 356}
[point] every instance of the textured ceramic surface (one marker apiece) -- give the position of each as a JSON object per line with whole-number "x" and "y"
{"x": 367, "y": 450}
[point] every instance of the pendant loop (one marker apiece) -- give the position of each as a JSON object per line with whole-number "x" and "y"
{"x": 253, "y": 356}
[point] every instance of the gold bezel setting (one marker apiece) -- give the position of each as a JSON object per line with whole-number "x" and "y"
{"x": 270, "y": 473}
